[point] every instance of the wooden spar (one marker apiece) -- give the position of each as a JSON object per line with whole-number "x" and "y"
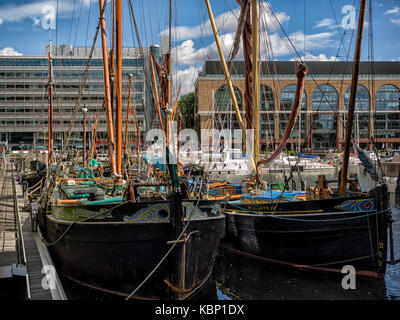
{"x": 50, "y": 111}
{"x": 168, "y": 75}
{"x": 127, "y": 114}
{"x": 94, "y": 133}
{"x": 156, "y": 91}
{"x": 176, "y": 103}
{"x": 107, "y": 91}
{"x": 226, "y": 72}
{"x": 84, "y": 137}
{"x": 256, "y": 116}
{"x": 118, "y": 86}
{"x": 300, "y": 74}
{"x": 178, "y": 135}
{"x": 352, "y": 102}
{"x": 138, "y": 143}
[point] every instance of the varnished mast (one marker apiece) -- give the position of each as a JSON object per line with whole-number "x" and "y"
{"x": 226, "y": 72}
{"x": 118, "y": 85}
{"x": 107, "y": 91}
{"x": 127, "y": 115}
{"x": 256, "y": 116}
{"x": 50, "y": 110}
{"x": 352, "y": 102}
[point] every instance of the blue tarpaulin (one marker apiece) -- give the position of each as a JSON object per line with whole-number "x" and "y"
{"x": 273, "y": 195}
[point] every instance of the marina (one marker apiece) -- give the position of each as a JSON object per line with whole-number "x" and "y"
{"x": 294, "y": 193}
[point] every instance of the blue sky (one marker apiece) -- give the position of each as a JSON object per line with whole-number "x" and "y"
{"x": 318, "y": 22}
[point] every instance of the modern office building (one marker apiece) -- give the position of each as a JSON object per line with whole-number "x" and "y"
{"x": 324, "y": 105}
{"x": 24, "y": 96}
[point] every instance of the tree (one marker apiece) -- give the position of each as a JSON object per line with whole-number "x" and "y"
{"x": 186, "y": 107}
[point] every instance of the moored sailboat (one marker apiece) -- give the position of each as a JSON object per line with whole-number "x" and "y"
{"x": 146, "y": 239}
{"x": 321, "y": 229}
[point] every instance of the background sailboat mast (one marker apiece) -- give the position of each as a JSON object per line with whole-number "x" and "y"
{"x": 118, "y": 85}
{"x": 107, "y": 89}
{"x": 256, "y": 115}
{"x": 226, "y": 71}
{"x": 50, "y": 93}
{"x": 352, "y": 102}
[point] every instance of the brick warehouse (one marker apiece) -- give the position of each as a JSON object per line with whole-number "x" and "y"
{"x": 324, "y": 107}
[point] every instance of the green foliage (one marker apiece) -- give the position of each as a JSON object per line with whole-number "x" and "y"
{"x": 186, "y": 107}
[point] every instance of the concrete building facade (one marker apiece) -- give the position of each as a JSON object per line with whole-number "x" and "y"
{"x": 24, "y": 97}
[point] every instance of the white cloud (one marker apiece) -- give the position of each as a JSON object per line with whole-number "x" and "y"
{"x": 34, "y": 10}
{"x": 320, "y": 57}
{"x": 186, "y": 77}
{"x": 1, "y": 20}
{"x": 395, "y": 11}
{"x": 328, "y": 22}
{"x": 8, "y": 51}
{"x": 395, "y": 21}
{"x": 188, "y": 59}
{"x": 225, "y": 23}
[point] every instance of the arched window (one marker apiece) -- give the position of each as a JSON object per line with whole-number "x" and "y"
{"x": 287, "y": 99}
{"x": 362, "y": 99}
{"x": 324, "y": 118}
{"x": 223, "y": 100}
{"x": 388, "y": 98}
{"x": 325, "y": 98}
{"x": 267, "y": 98}
{"x": 224, "y": 116}
{"x": 267, "y": 107}
{"x": 387, "y": 124}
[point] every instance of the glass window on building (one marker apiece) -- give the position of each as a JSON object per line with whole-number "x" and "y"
{"x": 361, "y": 127}
{"x": 387, "y": 125}
{"x": 324, "y": 119}
{"x": 225, "y": 117}
{"x": 287, "y": 99}
{"x": 362, "y": 99}
{"x": 267, "y": 123}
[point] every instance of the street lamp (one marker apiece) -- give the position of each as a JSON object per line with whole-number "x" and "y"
{"x": 84, "y": 110}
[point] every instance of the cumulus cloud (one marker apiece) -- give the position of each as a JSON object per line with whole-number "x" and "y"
{"x": 327, "y": 22}
{"x": 395, "y": 21}
{"x": 395, "y": 11}
{"x": 8, "y": 51}
{"x": 35, "y": 10}
{"x": 188, "y": 57}
{"x": 225, "y": 23}
{"x": 320, "y": 57}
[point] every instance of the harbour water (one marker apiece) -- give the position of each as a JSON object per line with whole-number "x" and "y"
{"x": 236, "y": 277}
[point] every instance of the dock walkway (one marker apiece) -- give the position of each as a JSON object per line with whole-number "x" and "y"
{"x": 26, "y": 268}
{"x": 12, "y": 261}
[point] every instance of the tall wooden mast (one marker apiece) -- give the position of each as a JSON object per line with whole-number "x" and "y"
{"x": 352, "y": 102}
{"x": 50, "y": 110}
{"x": 107, "y": 91}
{"x": 226, "y": 71}
{"x": 118, "y": 85}
{"x": 127, "y": 115}
{"x": 256, "y": 116}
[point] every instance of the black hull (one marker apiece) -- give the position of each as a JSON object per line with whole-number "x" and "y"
{"x": 116, "y": 256}
{"x": 312, "y": 235}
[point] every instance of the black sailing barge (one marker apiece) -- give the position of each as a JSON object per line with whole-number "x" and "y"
{"x": 324, "y": 228}
{"x": 113, "y": 247}
{"x": 321, "y": 235}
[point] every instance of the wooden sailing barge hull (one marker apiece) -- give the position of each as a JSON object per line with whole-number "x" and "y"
{"x": 115, "y": 256}
{"x": 312, "y": 235}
